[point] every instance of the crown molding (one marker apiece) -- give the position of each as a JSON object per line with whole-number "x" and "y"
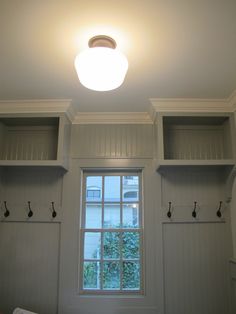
{"x": 112, "y": 118}
{"x": 41, "y": 106}
{"x": 193, "y": 105}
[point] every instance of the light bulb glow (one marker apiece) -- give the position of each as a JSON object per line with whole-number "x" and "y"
{"x": 101, "y": 68}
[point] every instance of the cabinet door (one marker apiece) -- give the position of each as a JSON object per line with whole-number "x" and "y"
{"x": 29, "y": 266}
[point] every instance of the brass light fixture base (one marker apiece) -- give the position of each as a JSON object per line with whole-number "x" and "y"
{"x": 102, "y": 41}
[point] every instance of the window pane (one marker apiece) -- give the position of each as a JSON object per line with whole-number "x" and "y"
{"x": 92, "y": 245}
{"x": 112, "y": 189}
{"x": 93, "y": 216}
{"x": 131, "y": 276}
{"x": 130, "y": 247}
{"x": 111, "y": 275}
{"x": 111, "y": 231}
{"x": 112, "y": 216}
{"x": 130, "y": 216}
{"x": 111, "y": 245}
{"x": 94, "y": 189}
{"x": 91, "y": 275}
{"x": 130, "y": 190}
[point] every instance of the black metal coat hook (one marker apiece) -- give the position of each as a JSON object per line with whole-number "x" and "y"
{"x": 169, "y": 211}
{"x": 194, "y": 213}
{"x": 54, "y": 213}
{"x": 30, "y": 213}
{"x": 218, "y": 213}
{"x": 7, "y": 212}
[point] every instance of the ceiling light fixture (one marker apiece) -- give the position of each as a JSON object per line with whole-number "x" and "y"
{"x": 101, "y": 67}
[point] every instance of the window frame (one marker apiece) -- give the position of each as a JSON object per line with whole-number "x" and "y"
{"x": 83, "y": 229}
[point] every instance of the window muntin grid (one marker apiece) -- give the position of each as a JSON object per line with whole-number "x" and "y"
{"x": 114, "y": 258}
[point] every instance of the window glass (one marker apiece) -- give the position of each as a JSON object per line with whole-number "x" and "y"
{"x": 111, "y": 245}
{"x": 94, "y": 188}
{"x": 131, "y": 276}
{"x": 111, "y": 231}
{"x": 93, "y": 216}
{"x": 111, "y": 275}
{"x": 112, "y": 189}
{"x": 130, "y": 188}
{"x": 111, "y": 216}
{"x": 130, "y": 247}
{"x": 91, "y": 272}
{"x": 130, "y": 216}
{"x": 92, "y": 245}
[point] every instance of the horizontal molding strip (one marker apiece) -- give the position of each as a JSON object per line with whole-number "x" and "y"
{"x": 38, "y": 106}
{"x": 66, "y": 106}
{"x": 112, "y": 118}
{"x": 193, "y": 105}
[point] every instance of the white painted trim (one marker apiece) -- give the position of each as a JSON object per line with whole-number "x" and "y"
{"x": 193, "y": 104}
{"x": 50, "y": 106}
{"x": 37, "y": 106}
{"x": 112, "y": 118}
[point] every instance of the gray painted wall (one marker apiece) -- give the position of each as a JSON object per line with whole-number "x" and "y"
{"x": 185, "y": 258}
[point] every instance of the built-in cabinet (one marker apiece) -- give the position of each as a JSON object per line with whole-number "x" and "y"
{"x": 196, "y": 162}
{"x": 194, "y": 139}
{"x": 34, "y": 140}
{"x": 34, "y": 153}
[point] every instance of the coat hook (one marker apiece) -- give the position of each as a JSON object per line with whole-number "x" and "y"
{"x": 194, "y": 213}
{"x": 7, "y": 212}
{"x": 54, "y": 213}
{"x": 169, "y": 211}
{"x": 218, "y": 213}
{"x": 30, "y": 213}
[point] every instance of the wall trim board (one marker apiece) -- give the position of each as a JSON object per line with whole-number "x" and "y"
{"x": 52, "y": 106}
{"x": 192, "y": 105}
{"x": 112, "y": 118}
{"x": 38, "y": 106}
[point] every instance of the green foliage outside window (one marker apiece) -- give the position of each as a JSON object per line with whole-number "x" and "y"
{"x": 111, "y": 274}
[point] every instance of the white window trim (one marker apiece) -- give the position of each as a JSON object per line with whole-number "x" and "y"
{"x": 111, "y": 172}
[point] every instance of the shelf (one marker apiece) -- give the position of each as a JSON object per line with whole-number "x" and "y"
{"x": 195, "y": 140}
{"x": 32, "y": 163}
{"x": 34, "y": 141}
{"x": 196, "y": 162}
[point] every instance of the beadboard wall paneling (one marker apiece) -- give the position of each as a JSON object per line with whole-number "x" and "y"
{"x": 182, "y": 186}
{"x": 112, "y": 141}
{"x": 40, "y": 186}
{"x": 29, "y": 267}
{"x": 196, "y": 268}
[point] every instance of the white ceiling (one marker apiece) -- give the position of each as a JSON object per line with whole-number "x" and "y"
{"x": 176, "y": 49}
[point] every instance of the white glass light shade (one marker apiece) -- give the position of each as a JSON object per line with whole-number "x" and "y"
{"x": 101, "y": 68}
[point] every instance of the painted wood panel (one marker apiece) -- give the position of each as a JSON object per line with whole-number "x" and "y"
{"x": 29, "y": 267}
{"x": 40, "y": 186}
{"x": 196, "y": 268}
{"x": 184, "y": 186}
{"x": 112, "y": 141}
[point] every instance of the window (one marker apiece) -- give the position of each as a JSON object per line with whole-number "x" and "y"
{"x": 111, "y": 233}
{"x": 93, "y": 194}
{"x": 131, "y": 194}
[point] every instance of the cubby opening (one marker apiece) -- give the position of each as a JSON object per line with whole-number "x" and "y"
{"x": 197, "y": 138}
{"x": 28, "y": 138}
